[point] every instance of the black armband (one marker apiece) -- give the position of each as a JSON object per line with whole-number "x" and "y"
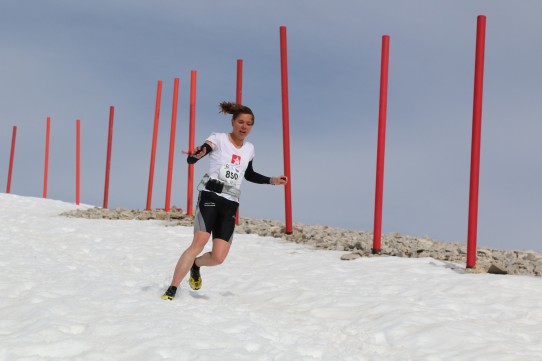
{"x": 191, "y": 159}
{"x": 252, "y": 176}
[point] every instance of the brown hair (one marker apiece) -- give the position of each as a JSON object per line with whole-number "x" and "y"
{"x": 235, "y": 109}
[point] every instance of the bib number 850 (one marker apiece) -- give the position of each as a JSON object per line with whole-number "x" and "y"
{"x": 228, "y": 174}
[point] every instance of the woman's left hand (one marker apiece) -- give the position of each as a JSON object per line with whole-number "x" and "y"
{"x": 276, "y": 181}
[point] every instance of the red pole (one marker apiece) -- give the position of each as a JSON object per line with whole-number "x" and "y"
{"x": 46, "y": 168}
{"x": 11, "y": 157}
{"x": 108, "y": 160}
{"x": 239, "y": 84}
{"x": 172, "y": 142}
{"x": 191, "y": 137}
{"x": 286, "y": 128}
{"x": 77, "y": 162}
{"x": 154, "y": 140}
{"x": 476, "y": 136}
{"x": 377, "y": 232}
{"x": 239, "y": 100}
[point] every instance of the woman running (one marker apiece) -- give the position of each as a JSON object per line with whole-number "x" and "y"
{"x": 230, "y": 160}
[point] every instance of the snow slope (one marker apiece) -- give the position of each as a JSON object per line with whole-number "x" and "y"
{"x": 76, "y": 289}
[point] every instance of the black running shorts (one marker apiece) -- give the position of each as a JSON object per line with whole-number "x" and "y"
{"x": 215, "y": 215}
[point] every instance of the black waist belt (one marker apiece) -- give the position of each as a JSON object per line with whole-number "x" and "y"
{"x": 217, "y": 186}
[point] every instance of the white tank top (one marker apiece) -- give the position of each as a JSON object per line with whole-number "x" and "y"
{"x": 228, "y": 163}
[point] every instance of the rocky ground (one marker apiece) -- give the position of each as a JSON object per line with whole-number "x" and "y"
{"x": 355, "y": 244}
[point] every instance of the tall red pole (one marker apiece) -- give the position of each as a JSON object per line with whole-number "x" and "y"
{"x": 239, "y": 83}
{"x": 191, "y": 137}
{"x": 379, "y": 192}
{"x": 154, "y": 140}
{"x": 11, "y": 158}
{"x": 286, "y": 129}
{"x": 46, "y": 167}
{"x": 77, "y": 162}
{"x": 108, "y": 159}
{"x": 172, "y": 142}
{"x": 476, "y": 137}
{"x": 239, "y": 100}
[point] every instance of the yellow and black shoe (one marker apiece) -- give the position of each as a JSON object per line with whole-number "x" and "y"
{"x": 195, "y": 277}
{"x": 170, "y": 293}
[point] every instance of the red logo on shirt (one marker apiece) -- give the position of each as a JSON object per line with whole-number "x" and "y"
{"x": 236, "y": 159}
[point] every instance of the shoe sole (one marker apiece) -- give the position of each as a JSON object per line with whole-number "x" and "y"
{"x": 195, "y": 285}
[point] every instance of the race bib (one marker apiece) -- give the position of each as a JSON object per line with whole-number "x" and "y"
{"x": 229, "y": 174}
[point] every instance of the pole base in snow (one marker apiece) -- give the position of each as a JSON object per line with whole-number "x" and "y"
{"x": 376, "y": 251}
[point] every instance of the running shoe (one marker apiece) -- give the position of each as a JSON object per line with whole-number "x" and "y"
{"x": 170, "y": 293}
{"x": 195, "y": 277}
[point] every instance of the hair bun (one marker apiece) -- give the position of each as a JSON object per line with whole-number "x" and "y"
{"x": 235, "y": 109}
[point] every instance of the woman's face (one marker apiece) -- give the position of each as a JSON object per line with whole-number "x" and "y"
{"x": 242, "y": 125}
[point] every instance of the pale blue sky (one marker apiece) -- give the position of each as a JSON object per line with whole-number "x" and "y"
{"x": 73, "y": 59}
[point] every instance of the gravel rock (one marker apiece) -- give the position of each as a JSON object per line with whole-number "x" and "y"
{"x": 355, "y": 244}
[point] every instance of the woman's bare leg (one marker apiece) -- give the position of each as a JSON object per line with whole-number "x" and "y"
{"x": 189, "y": 255}
{"x": 217, "y": 255}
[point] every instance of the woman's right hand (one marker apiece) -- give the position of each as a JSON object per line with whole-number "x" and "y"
{"x": 198, "y": 152}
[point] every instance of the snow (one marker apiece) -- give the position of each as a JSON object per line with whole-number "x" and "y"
{"x": 78, "y": 289}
